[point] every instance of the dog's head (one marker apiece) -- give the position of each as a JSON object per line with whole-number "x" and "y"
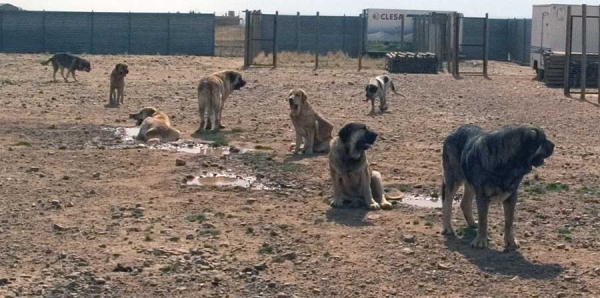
{"x": 296, "y": 99}
{"x": 84, "y": 65}
{"x": 536, "y": 146}
{"x": 357, "y": 138}
{"x": 235, "y": 79}
{"x": 143, "y": 114}
{"x": 122, "y": 69}
{"x": 371, "y": 91}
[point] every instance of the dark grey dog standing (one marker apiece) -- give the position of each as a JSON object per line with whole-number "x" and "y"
{"x": 70, "y": 62}
{"x": 491, "y": 167}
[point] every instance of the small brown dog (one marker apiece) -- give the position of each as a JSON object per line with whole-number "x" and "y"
{"x": 117, "y": 84}
{"x": 311, "y": 128}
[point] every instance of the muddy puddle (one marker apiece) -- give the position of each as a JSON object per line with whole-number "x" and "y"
{"x": 418, "y": 200}
{"x": 226, "y": 179}
{"x": 127, "y": 139}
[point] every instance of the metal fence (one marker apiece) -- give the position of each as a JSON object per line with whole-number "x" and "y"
{"x": 509, "y": 39}
{"x": 300, "y": 33}
{"x": 107, "y": 33}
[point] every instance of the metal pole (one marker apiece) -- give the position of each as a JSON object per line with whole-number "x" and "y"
{"x": 583, "y": 50}
{"x": 456, "y": 44}
{"x": 449, "y": 43}
{"x": 247, "y": 40}
{"x": 92, "y": 34}
{"x": 599, "y": 58}
{"x": 402, "y": 33}
{"x": 568, "y": 48}
{"x": 486, "y": 35}
{"x": 317, "y": 44}
{"x": 360, "y": 41}
{"x": 168, "y": 33}
{"x": 275, "y": 39}
{"x": 525, "y": 41}
{"x": 297, "y": 31}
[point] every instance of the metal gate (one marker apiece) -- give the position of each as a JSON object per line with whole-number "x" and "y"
{"x": 255, "y": 38}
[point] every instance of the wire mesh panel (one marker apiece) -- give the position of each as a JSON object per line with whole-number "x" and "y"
{"x": 69, "y": 32}
{"x": 22, "y": 32}
{"x": 111, "y": 33}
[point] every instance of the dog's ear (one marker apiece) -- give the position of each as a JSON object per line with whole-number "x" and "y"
{"x": 386, "y": 79}
{"x": 232, "y": 76}
{"x": 304, "y": 96}
{"x": 346, "y": 132}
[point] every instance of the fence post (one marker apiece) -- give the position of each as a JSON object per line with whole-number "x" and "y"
{"x": 568, "y": 48}
{"x": 247, "y": 40}
{"x": 2, "y": 31}
{"x": 317, "y": 44}
{"x": 275, "y": 39}
{"x": 524, "y": 39}
{"x": 168, "y": 33}
{"x": 402, "y": 33}
{"x": 361, "y": 40}
{"x": 599, "y": 60}
{"x": 583, "y": 50}
{"x": 456, "y": 57}
{"x": 298, "y": 31}
{"x": 92, "y": 33}
{"x": 344, "y": 34}
{"x": 129, "y": 36}
{"x": 486, "y": 46}
{"x": 449, "y": 42}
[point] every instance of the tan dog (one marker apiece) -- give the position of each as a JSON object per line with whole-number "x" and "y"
{"x": 117, "y": 84}
{"x": 353, "y": 181}
{"x": 155, "y": 126}
{"x": 213, "y": 90}
{"x": 311, "y": 128}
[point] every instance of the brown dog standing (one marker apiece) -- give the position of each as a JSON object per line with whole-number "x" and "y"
{"x": 213, "y": 90}
{"x": 117, "y": 84}
{"x": 311, "y": 128}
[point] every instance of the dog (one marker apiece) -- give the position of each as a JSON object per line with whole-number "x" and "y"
{"x": 70, "y": 62}
{"x": 491, "y": 166}
{"x": 213, "y": 90}
{"x": 378, "y": 87}
{"x": 353, "y": 181}
{"x": 117, "y": 84}
{"x": 155, "y": 126}
{"x": 310, "y": 126}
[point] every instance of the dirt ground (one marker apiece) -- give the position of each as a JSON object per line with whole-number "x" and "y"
{"x": 86, "y": 214}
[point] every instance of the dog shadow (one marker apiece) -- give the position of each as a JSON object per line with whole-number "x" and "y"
{"x": 109, "y": 106}
{"x": 299, "y": 157}
{"x": 346, "y": 216}
{"x": 509, "y": 263}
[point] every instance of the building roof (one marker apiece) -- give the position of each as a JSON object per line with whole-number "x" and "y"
{"x": 8, "y": 6}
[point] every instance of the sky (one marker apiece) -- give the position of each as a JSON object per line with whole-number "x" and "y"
{"x": 470, "y": 8}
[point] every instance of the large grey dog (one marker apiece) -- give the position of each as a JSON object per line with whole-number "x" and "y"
{"x": 491, "y": 166}
{"x": 70, "y": 62}
{"x": 378, "y": 87}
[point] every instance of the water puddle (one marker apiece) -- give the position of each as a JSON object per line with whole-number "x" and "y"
{"x": 127, "y": 138}
{"x": 418, "y": 200}
{"x": 226, "y": 179}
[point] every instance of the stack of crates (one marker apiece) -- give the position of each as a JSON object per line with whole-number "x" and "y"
{"x": 407, "y": 62}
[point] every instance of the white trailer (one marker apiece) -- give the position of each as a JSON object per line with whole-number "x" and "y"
{"x": 549, "y": 31}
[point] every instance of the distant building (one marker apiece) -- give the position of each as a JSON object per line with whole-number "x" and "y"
{"x": 8, "y": 6}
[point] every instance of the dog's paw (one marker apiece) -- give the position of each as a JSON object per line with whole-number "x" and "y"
{"x": 308, "y": 152}
{"x": 448, "y": 232}
{"x": 374, "y": 206}
{"x": 511, "y": 244}
{"x": 480, "y": 242}
{"x": 337, "y": 203}
{"x": 222, "y": 126}
{"x": 385, "y": 205}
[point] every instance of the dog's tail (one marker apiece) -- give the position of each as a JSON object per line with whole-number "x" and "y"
{"x": 394, "y": 89}
{"x": 46, "y": 62}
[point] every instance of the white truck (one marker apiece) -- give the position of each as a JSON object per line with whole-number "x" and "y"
{"x": 549, "y": 32}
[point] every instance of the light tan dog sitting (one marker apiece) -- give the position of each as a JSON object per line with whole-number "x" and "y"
{"x": 155, "y": 126}
{"x": 311, "y": 128}
{"x": 117, "y": 84}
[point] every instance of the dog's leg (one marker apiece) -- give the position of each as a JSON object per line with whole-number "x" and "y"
{"x": 338, "y": 200}
{"x": 466, "y": 205}
{"x": 383, "y": 104}
{"x": 220, "y": 124}
{"x": 377, "y": 191}
{"x": 323, "y": 146}
{"x": 310, "y": 141}
{"x": 54, "y": 74}
{"x": 483, "y": 205}
{"x": 121, "y": 94}
{"x": 216, "y": 124}
{"x": 73, "y": 75}
{"x": 372, "y": 106}
{"x": 510, "y": 242}
{"x": 62, "y": 73}
{"x": 449, "y": 189}
{"x": 368, "y": 195}
{"x": 111, "y": 96}
{"x": 298, "y": 142}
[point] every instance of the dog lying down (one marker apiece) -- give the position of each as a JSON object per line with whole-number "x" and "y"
{"x": 155, "y": 126}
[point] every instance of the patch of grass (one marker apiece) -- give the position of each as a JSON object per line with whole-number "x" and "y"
{"x": 220, "y": 214}
{"x": 466, "y": 231}
{"x": 262, "y": 147}
{"x": 327, "y": 254}
{"x": 435, "y": 195}
{"x": 535, "y": 190}
{"x": 266, "y": 249}
{"x": 291, "y": 167}
{"x": 173, "y": 267}
{"x": 568, "y": 239}
{"x": 284, "y": 226}
{"x": 8, "y": 82}
{"x": 563, "y": 231}
{"x": 278, "y": 259}
{"x": 237, "y": 130}
{"x": 588, "y": 191}
{"x": 249, "y": 230}
{"x": 211, "y": 232}
{"x": 148, "y": 238}
{"x": 199, "y": 218}
{"x": 217, "y": 139}
{"x": 405, "y": 187}
{"x": 22, "y": 143}
{"x": 557, "y": 187}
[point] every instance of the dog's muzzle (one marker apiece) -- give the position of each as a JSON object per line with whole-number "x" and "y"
{"x": 293, "y": 106}
{"x": 239, "y": 85}
{"x": 547, "y": 151}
